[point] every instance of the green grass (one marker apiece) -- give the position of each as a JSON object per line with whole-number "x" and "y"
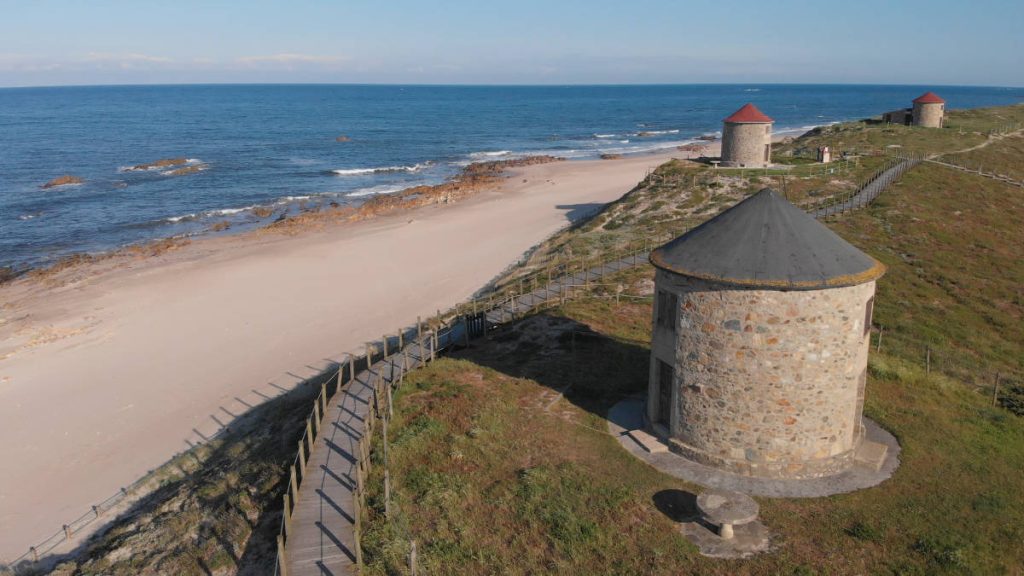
{"x": 502, "y": 477}
{"x": 952, "y": 243}
{"x": 1002, "y": 158}
{"x": 964, "y": 128}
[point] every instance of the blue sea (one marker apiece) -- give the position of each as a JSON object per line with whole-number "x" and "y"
{"x": 275, "y": 145}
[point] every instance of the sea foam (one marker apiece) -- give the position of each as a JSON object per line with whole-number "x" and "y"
{"x": 381, "y": 169}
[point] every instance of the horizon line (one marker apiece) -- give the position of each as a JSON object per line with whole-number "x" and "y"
{"x": 499, "y": 85}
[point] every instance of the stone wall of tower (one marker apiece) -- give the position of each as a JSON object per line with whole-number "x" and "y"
{"x": 743, "y": 145}
{"x": 766, "y": 383}
{"x": 929, "y": 114}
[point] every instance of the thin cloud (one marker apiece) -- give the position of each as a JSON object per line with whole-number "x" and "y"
{"x": 125, "y": 58}
{"x": 291, "y": 58}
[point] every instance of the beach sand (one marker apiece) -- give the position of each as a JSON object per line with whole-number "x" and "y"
{"x": 111, "y": 369}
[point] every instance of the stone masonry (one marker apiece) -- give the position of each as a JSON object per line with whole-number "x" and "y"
{"x": 928, "y": 114}
{"x": 746, "y": 145}
{"x": 766, "y": 383}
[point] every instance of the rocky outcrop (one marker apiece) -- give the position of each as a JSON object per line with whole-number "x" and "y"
{"x": 611, "y": 156}
{"x": 190, "y": 169}
{"x": 472, "y": 179}
{"x": 64, "y": 180}
{"x": 164, "y": 163}
{"x": 690, "y": 148}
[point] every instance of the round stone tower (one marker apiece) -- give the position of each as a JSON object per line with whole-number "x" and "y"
{"x": 760, "y": 342}
{"x": 929, "y": 110}
{"x": 747, "y": 138}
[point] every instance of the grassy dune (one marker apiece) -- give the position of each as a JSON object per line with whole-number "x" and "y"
{"x": 493, "y": 472}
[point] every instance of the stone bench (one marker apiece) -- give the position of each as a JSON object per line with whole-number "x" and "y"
{"x": 726, "y": 508}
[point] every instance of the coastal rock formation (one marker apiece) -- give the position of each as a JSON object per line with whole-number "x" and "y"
{"x": 64, "y": 180}
{"x": 343, "y": 138}
{"x": 611, "y": 156}
{"x": 164, "y": 163}
{"x": 472, "y": 179}
{"x": 189, "y": 169}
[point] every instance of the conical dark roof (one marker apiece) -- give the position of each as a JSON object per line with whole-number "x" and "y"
{"x": 766, "y": 242}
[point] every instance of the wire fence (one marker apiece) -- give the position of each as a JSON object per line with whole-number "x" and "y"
{"x": 1005, "y": 385}
{"x": 961, "y": 163}
{"x": 864, "y": 195}
{"x": 994, "y": 130}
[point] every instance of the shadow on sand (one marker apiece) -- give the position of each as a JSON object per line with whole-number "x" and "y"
{"x": 215, "y": 505}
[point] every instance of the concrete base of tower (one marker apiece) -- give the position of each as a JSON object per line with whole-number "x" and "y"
{"x": 866, "y": 468}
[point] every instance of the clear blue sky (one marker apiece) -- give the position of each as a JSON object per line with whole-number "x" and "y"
{"x": 46, "y": 42}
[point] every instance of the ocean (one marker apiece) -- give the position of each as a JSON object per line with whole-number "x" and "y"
{"x": 275, "y": 146}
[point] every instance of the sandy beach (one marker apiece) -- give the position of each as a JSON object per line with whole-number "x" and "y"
{"x": 108, "y": 375}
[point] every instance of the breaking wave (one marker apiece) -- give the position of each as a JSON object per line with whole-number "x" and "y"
{"x": 381, "y": 170}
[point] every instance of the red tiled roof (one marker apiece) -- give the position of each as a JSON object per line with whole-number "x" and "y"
{"x": 928, "y": 98}
{"x": 748, "y": 113}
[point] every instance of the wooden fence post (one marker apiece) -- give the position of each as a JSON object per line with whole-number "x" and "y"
{"x": 302, "y": 455}
{"x": 928, "y": 360}
{"x": 282, "y": 561}
{"x": 387, "y": 494}
{"x": 412, "y": 557}
{"x": 384, "y": 339}
{"x": 419, "y": 327}
{"x": 401, "y": 340}
{"x": 351, "y": 368}
{"x": 360, "y": 469}
{"x": 286, "y": 513}
{"x": 67, "y": 532}
{"x": 357, "y": 514}
{"x": 369, "y": 355}
{"x": 294, "y": 485}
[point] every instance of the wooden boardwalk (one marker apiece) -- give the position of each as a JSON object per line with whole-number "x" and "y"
{"x": 869, "y": 191}
{"x": 321, "y": 532}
